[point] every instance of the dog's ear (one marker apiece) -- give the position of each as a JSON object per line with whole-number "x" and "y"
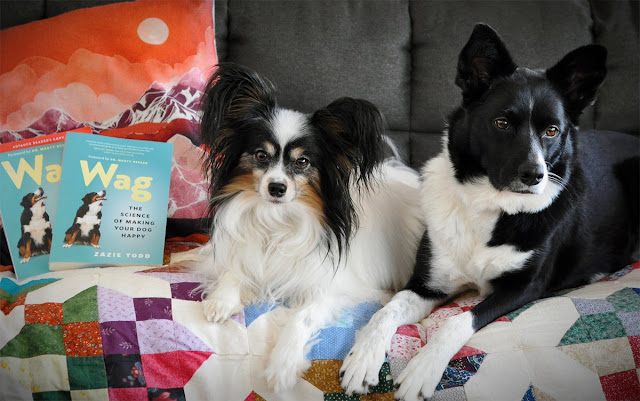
{"x": 352, "y": 131}
{"x": 234, "y": 97}
{"x": 483, "y": 59}
{"x": 578, "y": 76}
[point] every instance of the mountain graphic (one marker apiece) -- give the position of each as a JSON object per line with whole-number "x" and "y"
{"x": 157, "y": 107}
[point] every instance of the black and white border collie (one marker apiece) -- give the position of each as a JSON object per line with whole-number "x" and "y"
{"x": 514, "y": 206}
{"x": 307, "y": 211}
{"x": 35, "y": 232}
{"x": 85, "y": 229}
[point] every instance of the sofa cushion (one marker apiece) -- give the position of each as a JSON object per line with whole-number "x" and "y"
{"x": 316, "y": 52}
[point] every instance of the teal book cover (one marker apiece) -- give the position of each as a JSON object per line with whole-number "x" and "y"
{"x": 112, "y": 207}
{"x": 30, "y": 171}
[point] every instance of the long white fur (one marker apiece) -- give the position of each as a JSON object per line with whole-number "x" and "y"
{"x": 261, "y": 251}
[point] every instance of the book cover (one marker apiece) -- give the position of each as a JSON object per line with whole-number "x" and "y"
{"x": 112, "y": 207}
{"x": 30, "y": 172}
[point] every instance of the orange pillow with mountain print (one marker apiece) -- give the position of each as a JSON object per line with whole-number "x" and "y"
{"x": 132, "y": 69}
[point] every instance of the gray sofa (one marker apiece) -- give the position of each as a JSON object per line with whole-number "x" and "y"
{"x": 402, "y": 55}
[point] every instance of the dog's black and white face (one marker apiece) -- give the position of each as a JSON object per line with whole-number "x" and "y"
{"x": 34, "y": 201}
{"x": 515, "y": 124}
{"x": 94, "y": 200}
{"x": 279, "y": 160}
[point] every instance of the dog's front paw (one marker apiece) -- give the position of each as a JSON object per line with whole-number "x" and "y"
{"x": 66, "y": 246}
{"x": 361, "y": 367}
{"x": 218, "y": 310}
{"x": 96, "y": 245}
{"x": 284, "y": 368}
{"x": 25, "y": 260}
{"x": 420, "y": 378}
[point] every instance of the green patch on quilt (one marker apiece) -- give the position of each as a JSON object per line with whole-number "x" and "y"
{"x": 601, "y": 326}
{"x": 83, "y": 307}
{"x": 35, "y": 339}
{"x": 341, "y": 397}
{"x": 625, "y": 300}
{"x": 385, "y": 383}
{"x": 517, "y": 312}
{"x": 87, "y": 372}
{"x": 52, "y": 396}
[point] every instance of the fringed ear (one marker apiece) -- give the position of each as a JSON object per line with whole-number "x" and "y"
{"x": 235, "y": 97}
{"x": 483, "y": 59}
{"x": 352, "y": 131}
{"x": 578, "y": 76}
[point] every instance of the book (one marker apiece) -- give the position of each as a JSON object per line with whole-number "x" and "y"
{"x": 112, "y": 205}
{"x": 30, "y": 172}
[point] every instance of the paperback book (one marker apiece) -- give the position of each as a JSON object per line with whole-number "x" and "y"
{"x": 112, "y": 206}
{"x": 30, "y": 172}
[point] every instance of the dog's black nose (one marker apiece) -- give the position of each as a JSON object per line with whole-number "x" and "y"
{"x": 531, "y": 173}
{"x": 277, "y": 189}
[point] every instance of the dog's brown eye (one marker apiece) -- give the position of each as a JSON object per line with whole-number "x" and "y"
{"x": 552, "y": 131}
{"x": 261, "y": 156}
{"x": 501, "y": 123}
{"x": 302, "y": 162}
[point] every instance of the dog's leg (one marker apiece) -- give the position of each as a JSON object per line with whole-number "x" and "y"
{"x": 95, "y": 239}
{"x": 225, "y": 300}
{"x": 27, "y": 252}
{"x": 361, "y": 366}
{"x": 288, "y": 360}
{"x": 70, "y": 239}
{"x": 423, "y": 373}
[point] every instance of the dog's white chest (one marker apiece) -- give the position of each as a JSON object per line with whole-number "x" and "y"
{"x": 460, "y": 220}
{"x": 87, "y": 223}
{"x": 37, "y": 228}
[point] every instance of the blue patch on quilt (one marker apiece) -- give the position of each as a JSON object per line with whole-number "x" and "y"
{"x": 459, "y": 371}
{"x": 529, "y": 396}
{"x": 336, "y": 340}
{"x": 254, "y": 311}
{"x": 14, "y": 288}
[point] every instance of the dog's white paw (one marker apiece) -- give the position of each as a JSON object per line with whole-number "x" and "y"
{"x": 25, "y": 260}
{"x": 361, "y": 367}
{"x": 66, "y": 246}
{"x": 96, "y": 246}
{"x": 284, "y": 368}
{"x": 421, "y": 376}
{"x": 218, "y": 310}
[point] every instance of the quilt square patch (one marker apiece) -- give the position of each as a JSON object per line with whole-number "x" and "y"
{"x": 119, "y": 338}
{"x": 86, "y": 373}
{"x": 623, "y": 386}
{"x": 124, "y": 371}
{"x": 129, "y": 394}
{"x": 186, "y": 291}
{"x": 48, "y": 313}
{"x": 152, "y": 308}
{"x": 82, "y": 339}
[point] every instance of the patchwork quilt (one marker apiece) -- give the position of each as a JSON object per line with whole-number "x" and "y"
{"x": 138, "y": 333}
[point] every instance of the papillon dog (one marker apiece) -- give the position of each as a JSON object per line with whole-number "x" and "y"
{"x": 306, "y": 211}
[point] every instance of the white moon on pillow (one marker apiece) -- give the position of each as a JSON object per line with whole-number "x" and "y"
{"x": 153, "y": 31}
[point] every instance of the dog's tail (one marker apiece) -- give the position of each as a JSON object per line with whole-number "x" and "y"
{"x": 628, "y": 172}
{"x": 395, "y": 166}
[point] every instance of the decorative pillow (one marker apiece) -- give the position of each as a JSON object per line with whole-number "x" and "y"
{"x": 133, "y": 69}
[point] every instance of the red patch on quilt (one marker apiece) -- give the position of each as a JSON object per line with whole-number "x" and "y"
{"x": 467, "y": 351}
{"x": 623, "y": 386}
{"x": 410, "y": 330}
{"x": 129, "y": 394}
{"x": 183, "y": 365}
{"x": 48, "y": 313}
{"x": 7, "y": 307}
{"x": 634, "y": 342}
{"x": 636, "y": 265}
{"x": 82, "y": 339}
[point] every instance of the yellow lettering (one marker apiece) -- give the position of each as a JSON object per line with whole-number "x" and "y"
{"x": 97, "y": 170}
{"x": 122, "y": 182}
{"x": 138, "y": 184}
{"x": 54, "y": 172}
{"x": 23, "y": 167}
